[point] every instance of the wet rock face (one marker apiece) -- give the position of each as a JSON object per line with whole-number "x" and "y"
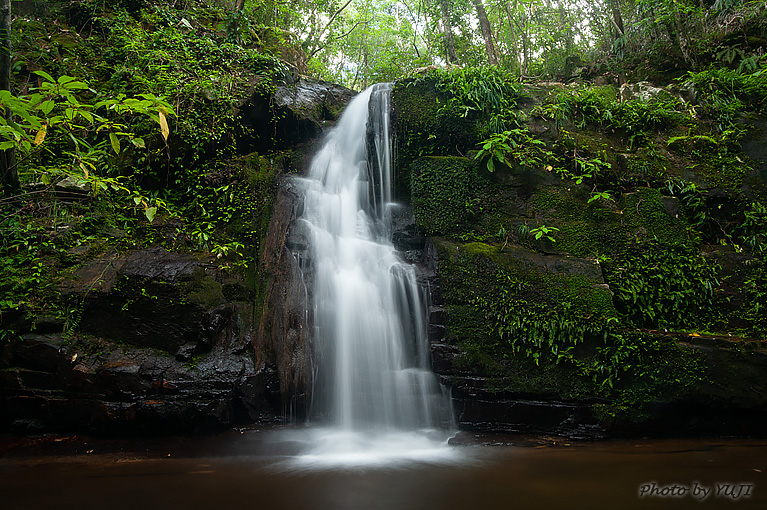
{"x": 159, "y": 350}
{"x": 297, "y": 113}
{"x": 149, "y": 298}
{"x": 477, "y": 403}
{"x": 122, "y": 389}
{"x": 283, "y": 335}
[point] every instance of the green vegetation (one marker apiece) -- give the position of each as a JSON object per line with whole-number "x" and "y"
{"x": 503, "y": 310}
{"x": 575, "y": 219}
{"x": 443, "y": 191}
{"x": 126, "y": 135}
{"x": 665, "y": 286}
{"x": 513, "y": 147}
{"x": 649, "y": 186}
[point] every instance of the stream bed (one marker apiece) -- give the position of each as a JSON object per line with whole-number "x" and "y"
{"x": 256, "y": 468}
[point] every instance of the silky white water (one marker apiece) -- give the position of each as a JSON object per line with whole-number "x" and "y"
{"x": 374, "y": 386}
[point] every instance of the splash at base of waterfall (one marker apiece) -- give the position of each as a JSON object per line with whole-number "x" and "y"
{"x": 332, "y": 448}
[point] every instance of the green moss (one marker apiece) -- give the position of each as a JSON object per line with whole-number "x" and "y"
{"x": 481, "y": 249}
{"x": 417, "y": 105}
{"x": 648, "y": 164}
{"x": 551, "y": 334}
{"x": 442, "y": 194}
{"x": 424, "y": 126}
{"x": 646, "y": 218}
{"x": 203, "y": 290}
{"x": 560, "y": 203}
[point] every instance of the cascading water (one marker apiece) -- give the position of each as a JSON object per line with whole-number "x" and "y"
{"x": 370, "y": 325}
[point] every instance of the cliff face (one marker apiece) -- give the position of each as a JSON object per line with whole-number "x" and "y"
{"x": 166, "y": 340}
{"x": 598, "y": 276}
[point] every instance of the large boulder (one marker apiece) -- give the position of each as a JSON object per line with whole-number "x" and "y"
{"x": 297, "y": 112}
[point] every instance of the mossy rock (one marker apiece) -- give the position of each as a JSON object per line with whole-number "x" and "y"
{"x": 424, "y": 127}
{"x": 442, "y": 190}
{"x": 202, "y": 290}
{"x": 556, "y": 283}
{"x": 646, "y": 217}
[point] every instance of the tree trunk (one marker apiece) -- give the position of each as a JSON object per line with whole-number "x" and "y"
{"x": 487, "y": 32}
{"x": 10, "y": 177}
{"x": 617, "y": 18}
{"x": 525, "y": 44}
{"x": 452, "y": 56}
{"x": 514, "y": 44}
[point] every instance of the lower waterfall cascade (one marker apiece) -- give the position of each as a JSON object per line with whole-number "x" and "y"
{"x": 373, "y": 383}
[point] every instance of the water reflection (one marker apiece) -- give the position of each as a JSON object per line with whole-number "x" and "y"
{"x": 242, "y": 469}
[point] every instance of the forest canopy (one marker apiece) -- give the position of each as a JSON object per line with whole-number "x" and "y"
{"x": 360, "y": 42}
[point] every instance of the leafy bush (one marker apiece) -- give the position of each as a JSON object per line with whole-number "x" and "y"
{"x": 515, "y": 145}
{"x": 664, "y": 286}
{"x": 600, "y": 106}
{"x": 725, "y": 93}
{"x": 485, "y": 93}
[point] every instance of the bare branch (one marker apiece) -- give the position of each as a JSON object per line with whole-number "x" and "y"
{"x": 330, "y": 40}
{"x": 325, "y": 28}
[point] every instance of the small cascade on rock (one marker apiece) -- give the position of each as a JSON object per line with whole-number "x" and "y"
{"x": 374, "y": 384}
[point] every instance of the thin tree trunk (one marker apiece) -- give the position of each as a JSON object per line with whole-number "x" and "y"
{"x": 10, "y": 177}
{"x": 525, "y": 44}
{"x": 617, "y": 18}
{"x": 452, "y": 56}
{"x": 314, "y": 42}
{"x": 487, "y": 32}
{"x": 514, "y": 44}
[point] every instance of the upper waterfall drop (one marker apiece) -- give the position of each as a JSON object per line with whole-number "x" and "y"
{"x": 369, "y": 311}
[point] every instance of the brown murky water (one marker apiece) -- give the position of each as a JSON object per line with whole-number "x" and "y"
{"x": 251, "y": 469}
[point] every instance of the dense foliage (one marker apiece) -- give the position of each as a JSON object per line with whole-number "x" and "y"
{"x": 125, "y": 120}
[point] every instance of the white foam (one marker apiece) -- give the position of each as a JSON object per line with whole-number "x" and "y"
{"x": 332, "y": 448}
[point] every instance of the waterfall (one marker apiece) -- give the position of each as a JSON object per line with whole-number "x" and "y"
{"x": 369, "y": 311}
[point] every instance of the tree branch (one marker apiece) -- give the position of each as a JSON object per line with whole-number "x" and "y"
{"x": 325, "y": 28}
{"x": 319, "y": 48}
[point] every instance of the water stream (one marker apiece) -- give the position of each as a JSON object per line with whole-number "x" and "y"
{"x": 374, "y": 385}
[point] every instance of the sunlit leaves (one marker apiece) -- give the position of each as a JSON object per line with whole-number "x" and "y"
{"x": 164, "y": 129}
{"x": 40, "y": 136}
{"x": 150, "y": 212}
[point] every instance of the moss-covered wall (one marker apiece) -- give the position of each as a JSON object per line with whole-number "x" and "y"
{"x": 575, "y": 273}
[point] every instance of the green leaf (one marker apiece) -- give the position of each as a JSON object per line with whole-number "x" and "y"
{"x": 139, "y": 142}
{"x": 47, "y": 106}
{"x": 45, "y": 75}
{"x": 149, "y": 212}
{"x": 115, "y": 143}
{"x": 76, "y": 85}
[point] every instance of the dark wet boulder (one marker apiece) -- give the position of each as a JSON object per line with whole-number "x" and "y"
{"x": 296, "y": 113}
